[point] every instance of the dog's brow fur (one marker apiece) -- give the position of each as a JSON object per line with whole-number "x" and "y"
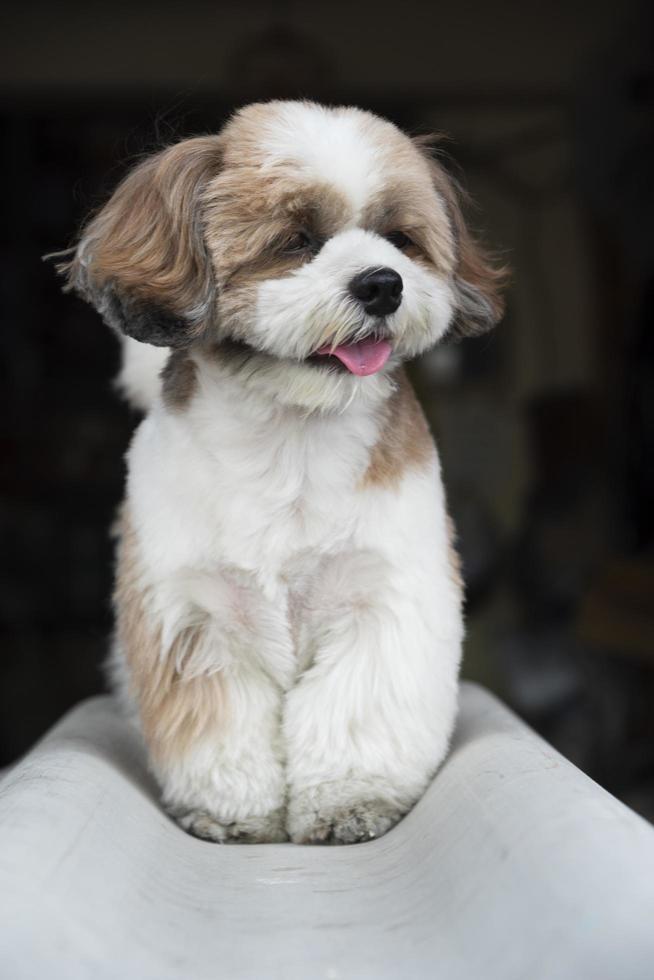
{"x": 251, "y": 214}
{"x": 405, "y": 441}
{"x": 175, "y": 712}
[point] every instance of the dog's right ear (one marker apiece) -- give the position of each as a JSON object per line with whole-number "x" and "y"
{"x": 142, "y": 260}
{"x": 479, "y": 279}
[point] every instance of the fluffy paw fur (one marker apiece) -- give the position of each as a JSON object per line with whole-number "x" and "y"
{"x": 269, "y": 829}
{"x": 346, "y": 823}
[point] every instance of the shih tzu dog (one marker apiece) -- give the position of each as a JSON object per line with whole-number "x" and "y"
{"x": 288, "y": 604}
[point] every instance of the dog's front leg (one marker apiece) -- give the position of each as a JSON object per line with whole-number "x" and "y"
{"x": 214, "y": 744}
{"x": 225, "y": 782}
{"x": 190, "y": 655}
{"x": 370, "y": 720}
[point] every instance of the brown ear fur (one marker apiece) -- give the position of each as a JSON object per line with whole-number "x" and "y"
{"x": 142, "y": 260}
{"x": 478, "y": 277}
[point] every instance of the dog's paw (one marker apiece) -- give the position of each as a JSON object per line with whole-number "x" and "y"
{"x": 269, "y": 829}
{"x": 349, "y": 823}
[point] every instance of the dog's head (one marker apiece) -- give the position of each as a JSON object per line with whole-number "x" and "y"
{"x": 312, "y": 249}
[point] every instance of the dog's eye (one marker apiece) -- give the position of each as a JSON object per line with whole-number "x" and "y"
{"x": 399, "y": 240}
{"x": 300, "y": 242}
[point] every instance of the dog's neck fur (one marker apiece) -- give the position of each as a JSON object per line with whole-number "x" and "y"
{"x": 329, "y": 446}
{"x": 227, "y": 416}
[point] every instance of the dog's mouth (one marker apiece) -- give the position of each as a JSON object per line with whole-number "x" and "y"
{"x": 360, "y": 357}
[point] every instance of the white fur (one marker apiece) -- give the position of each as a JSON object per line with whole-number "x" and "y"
{"x": 138, "y": 380}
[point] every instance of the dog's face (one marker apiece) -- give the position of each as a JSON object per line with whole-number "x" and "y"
{"x": 311, "y": 249}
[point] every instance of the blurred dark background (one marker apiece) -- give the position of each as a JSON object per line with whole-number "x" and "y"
{"x": 545, "y": 427}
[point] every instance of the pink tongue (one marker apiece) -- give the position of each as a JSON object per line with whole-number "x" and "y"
{"x": 363, "y": 358}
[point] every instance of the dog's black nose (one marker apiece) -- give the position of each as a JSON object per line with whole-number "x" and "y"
{"x": 379, "y": 290}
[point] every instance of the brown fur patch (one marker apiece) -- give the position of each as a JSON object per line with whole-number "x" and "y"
{"x": 147, "y": 243}
{"x": 175, "y": 712}
{"x": 257, "y": 211}
{"x": 405, "y": 441}
{"x": 179, "y": 380}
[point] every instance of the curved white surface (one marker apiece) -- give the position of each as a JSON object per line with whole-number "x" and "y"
{"x": 514, "y": 866}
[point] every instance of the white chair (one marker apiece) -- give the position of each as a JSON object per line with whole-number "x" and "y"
{"x": 514, "y": 866}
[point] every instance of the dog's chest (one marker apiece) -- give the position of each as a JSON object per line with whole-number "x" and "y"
{"x": 267, "y": 522}
{"x": 286, "y": 490}
{"x": 265, "y": 498}
{"x": 267, "y": 512}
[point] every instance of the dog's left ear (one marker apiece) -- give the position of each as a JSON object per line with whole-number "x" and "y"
{"x": 478, "y": 278}
{"x": 142, "y": 260}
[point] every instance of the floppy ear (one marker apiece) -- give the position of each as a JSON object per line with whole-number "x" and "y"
{"x": 478, "y": 277}
{"x": 142, "y": 260}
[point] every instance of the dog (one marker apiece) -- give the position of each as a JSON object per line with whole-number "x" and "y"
{"x": 288, "y": 602}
